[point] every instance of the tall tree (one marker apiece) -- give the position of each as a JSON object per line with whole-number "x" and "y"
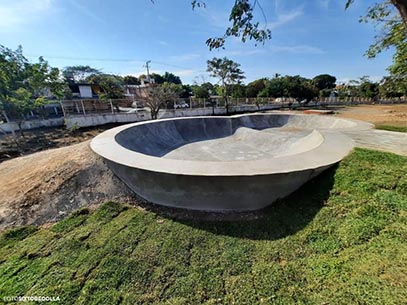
{"x": 228, "y": 73}
{"x": 157, "y": 97}
{"x": 324, "y": 81}
{"x": 131, "y": 80}
{"x": 78, "y": 73}
{"x": 390, "y": 17}
{"x": 171, "y": 78}
{"x": 296, "y": 87}
{"x": 24, "y": 86}
{"x": 108, "y": 86}
{"x": 255, "y": 87}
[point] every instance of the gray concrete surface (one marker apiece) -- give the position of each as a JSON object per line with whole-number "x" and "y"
{"x": 243, "y": 162}
{"x": 389, "y": 141}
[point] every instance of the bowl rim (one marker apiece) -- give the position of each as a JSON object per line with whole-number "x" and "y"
{"x": 333, "y": 148}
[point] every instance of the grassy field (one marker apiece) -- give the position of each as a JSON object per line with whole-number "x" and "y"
{"x": 391, "y": 128}
{"x": 340, "y": 239}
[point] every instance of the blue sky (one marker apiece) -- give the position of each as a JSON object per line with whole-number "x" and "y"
{"x": 309, "y": 37}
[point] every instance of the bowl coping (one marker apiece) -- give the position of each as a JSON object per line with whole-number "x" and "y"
{"x": 334, "y": 147}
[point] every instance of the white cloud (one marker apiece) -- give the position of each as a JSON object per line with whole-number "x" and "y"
{"x": 189, "y": 72}
{"x": 324, "y": 3}
{"x": 297, "y": 49}
{"x": 242, "y": 52}
{"x": 284, "y": 18}
{"x": 14, "y": 14}
{"x": 163, "y": 43}
{"x": 214, "y": 18}
{"x": 87, "y": 12}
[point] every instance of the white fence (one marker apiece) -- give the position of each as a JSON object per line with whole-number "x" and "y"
{"x": 93, "y": 112}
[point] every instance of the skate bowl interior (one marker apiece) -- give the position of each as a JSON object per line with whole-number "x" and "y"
{"x": 242, "y": 162}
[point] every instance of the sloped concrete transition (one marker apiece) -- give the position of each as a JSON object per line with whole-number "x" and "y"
{"x": 236, "y": 163}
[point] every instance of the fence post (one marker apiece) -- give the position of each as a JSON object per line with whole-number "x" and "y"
{"x": 83, "y": 108}
{"x": 111, "y": 105}
{"x": 63, "y": 109}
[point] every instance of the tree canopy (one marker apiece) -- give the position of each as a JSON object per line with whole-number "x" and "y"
{"x": 228, "y": 73}
{"x": 107, "y": 86}
{"x": 24, "y": 86}
{"x": 243, "y": 24}
{"x": 78, "y": 73}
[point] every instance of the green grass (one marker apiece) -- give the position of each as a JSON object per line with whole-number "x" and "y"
{"x": 341, "y": 239}
{"x": 392, "y": 128}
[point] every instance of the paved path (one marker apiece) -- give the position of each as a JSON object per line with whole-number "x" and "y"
{"x": 390, "y": 141}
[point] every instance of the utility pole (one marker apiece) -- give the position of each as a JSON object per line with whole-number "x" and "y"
{"x": 148, "y": 70}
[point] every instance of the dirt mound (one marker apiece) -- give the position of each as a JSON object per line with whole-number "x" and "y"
{"x": 46, "y": 186}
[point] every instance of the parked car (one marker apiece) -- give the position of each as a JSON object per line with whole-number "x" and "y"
{"x": 180, "y": 106}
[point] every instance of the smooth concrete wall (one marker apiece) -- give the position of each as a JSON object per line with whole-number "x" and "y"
{"x": 32, "y": 124}
{"x": 101, "y": 119}
{"x": 216, "y": 193}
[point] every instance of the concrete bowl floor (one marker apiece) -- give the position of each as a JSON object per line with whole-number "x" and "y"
{"x": 236, "y": 163}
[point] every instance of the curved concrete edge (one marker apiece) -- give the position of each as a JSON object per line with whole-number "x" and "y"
{"x": 333, "y": 148}
{"x": 357, "y": 124}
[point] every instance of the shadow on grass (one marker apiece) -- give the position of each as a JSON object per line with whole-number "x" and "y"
{"x": 283, "y": 218}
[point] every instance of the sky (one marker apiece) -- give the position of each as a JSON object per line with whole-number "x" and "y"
{"x": 309, "y": 37}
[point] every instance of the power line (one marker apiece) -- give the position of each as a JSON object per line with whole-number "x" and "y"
{"x": 112, "y": 60}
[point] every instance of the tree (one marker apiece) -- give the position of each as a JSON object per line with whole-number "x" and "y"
{"x": 158, "y": 79}
{"x": 391, "y": 18}
{"x": 108, "y": 87}
{"x": 131, "y": 80}
{"x": 400, "y": 5}
{"x": 157, "y": 97}
{"x": 228, "y": 73}
{"x": 209, "y": 87}
{"x": 238, "y": 91}
{"x": 296, "y": 87}
{"x": 171, "y": 78}
{"x": 200, "y": 91}
{"x": 367, "y": 88}
{"x": 243, "y": 25}
{"x": 324, "y": 81}
{"x": 78, "y": 73}
{"x": 255, "y": 87}
{"x": 393, "y": 87}
{"x": 24, "y": 86}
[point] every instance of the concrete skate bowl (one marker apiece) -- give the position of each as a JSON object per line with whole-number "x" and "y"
{"x": 237, "y": 163}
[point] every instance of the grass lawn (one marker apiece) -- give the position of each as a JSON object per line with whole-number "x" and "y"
{"x": 392, "y": 128}
{"x": 341, "y": 239}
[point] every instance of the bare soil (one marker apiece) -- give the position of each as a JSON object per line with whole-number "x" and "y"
{"x": 394, "y": 115}
{"x": 47, "y": 184}
{"x": 45, "y": 138}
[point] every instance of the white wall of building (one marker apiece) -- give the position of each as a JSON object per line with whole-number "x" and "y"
{"x": 85, "y": 91}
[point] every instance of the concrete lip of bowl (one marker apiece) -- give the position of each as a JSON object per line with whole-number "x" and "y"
{"x": 236, "y": 163}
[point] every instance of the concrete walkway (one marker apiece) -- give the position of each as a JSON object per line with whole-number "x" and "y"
{"x": 390, "y": 141}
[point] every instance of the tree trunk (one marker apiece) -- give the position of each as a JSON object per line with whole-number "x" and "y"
{"x": 401, "y": 6}
{"x": 8, "y": 121}
{"x": 226, "y": 105}
{"x": 20, "y": 123}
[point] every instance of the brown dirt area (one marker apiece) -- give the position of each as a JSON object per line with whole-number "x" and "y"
{"x": 48, "y": 185}
{"x": 394, "y": 115}
{"x": 45, "y": 186}
{"x": 45, "y": 138}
